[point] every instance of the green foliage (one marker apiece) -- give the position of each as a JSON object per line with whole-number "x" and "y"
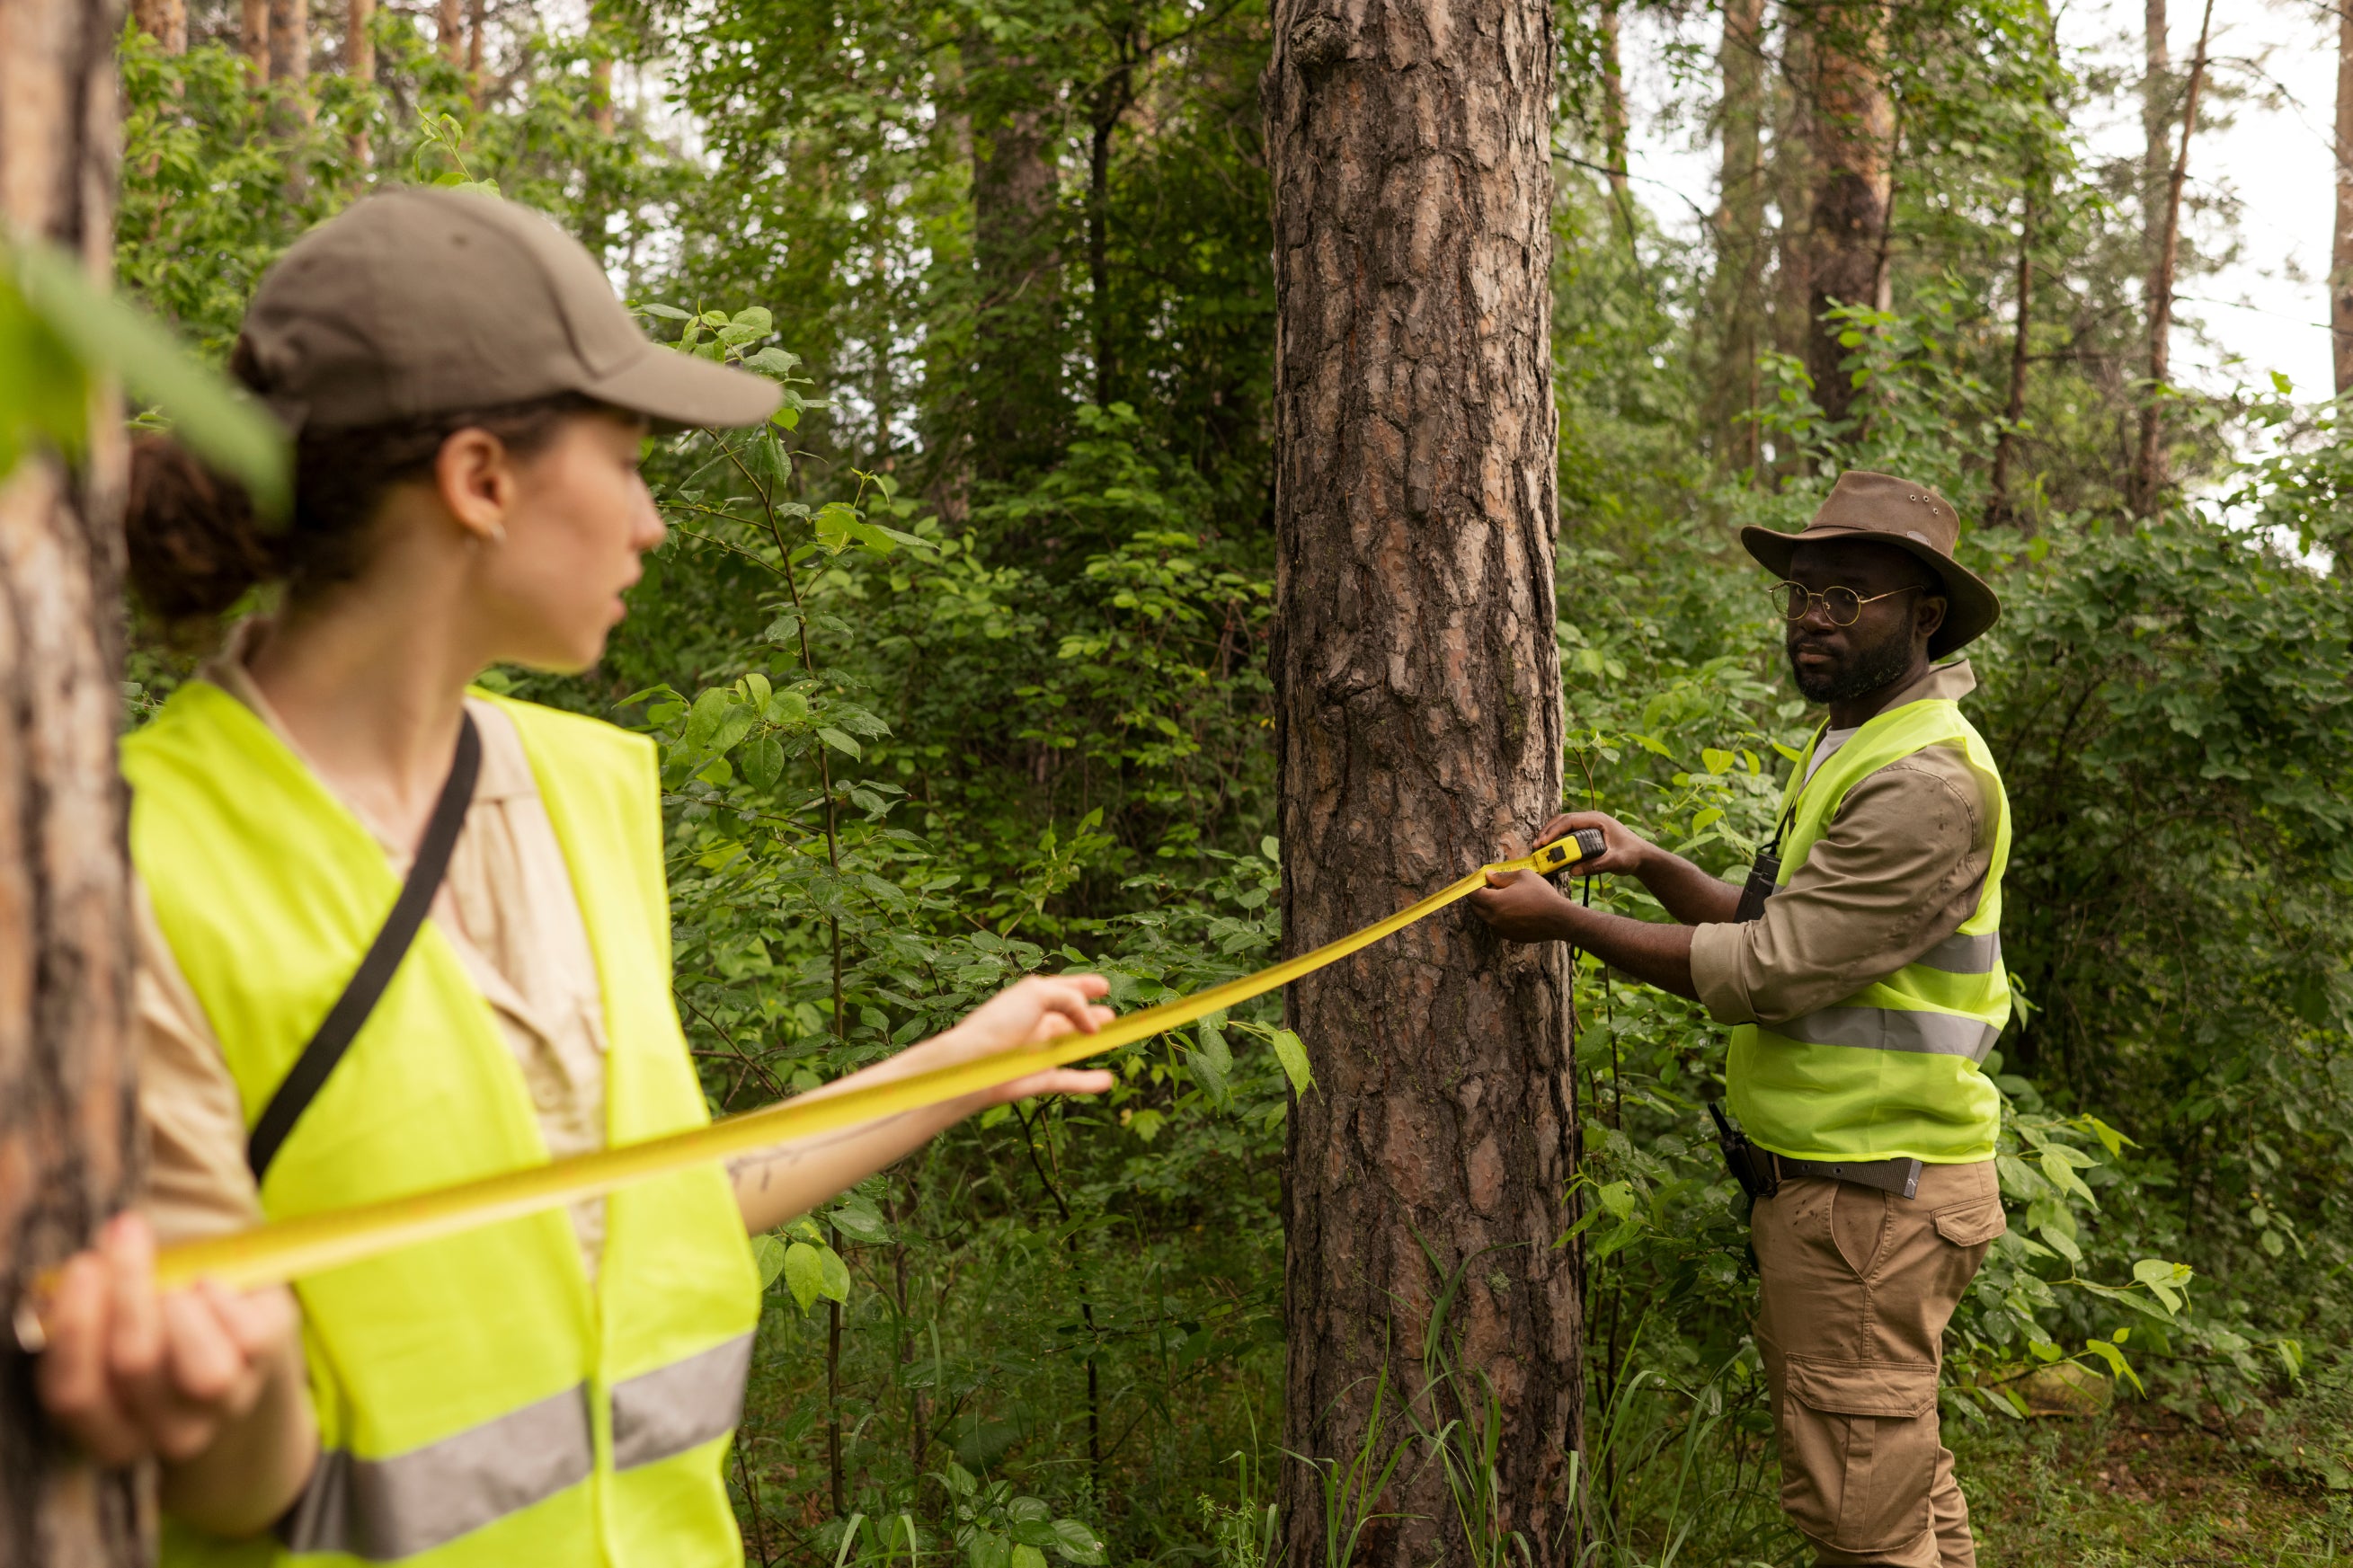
{"x": 957, "y": 672}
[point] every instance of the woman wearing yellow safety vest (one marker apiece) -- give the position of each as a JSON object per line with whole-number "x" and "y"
{"x": 399, "y": 934}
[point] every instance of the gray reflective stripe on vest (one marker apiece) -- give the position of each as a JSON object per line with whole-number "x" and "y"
{"x": 1893, "y": 1029}
{"x": 385, "y": 1509}
{"x": 680, "y": 1407}
{"x": 1964, "y": 954}
{"x": 381, "y": 1510}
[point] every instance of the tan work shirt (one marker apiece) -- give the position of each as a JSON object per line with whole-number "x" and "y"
{"x": 1896, "y": 872}
{"x": 508, "y": 909}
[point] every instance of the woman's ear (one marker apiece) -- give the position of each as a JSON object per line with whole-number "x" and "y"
{"x": 474, "y": 475}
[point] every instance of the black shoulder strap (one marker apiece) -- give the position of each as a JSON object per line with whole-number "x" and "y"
{"x": 311, "y": 1069}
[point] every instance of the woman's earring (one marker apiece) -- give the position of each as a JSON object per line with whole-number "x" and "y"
{"x": 496, "y": 535}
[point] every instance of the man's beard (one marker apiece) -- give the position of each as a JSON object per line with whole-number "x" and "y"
{"x": 1866, "y": 669}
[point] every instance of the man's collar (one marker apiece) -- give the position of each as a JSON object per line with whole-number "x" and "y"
{"x": 1948, "y": 682}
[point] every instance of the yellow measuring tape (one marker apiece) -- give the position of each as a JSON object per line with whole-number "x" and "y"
{"x": 290, "y": 1249}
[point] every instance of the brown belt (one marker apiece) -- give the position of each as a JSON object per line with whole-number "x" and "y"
{"x": 1901, "y": 1176}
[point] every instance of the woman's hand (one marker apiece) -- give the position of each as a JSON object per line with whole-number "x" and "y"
{"x": 129, "y": 1372}
{"x": 776, "y": 1185}
{"x": 1026, "y": 1014}
{"x": 1624, "y": 853}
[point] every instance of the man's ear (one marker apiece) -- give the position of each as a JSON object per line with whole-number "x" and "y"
{"x": 1928, "y": 616}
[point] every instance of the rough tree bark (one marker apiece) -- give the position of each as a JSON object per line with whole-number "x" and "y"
{"x": 66, "y": 1084}
{"x": 1736, "y": 290}
{"x": 449, "y": 30}
{"x": 2340, "y": 258}
{"x": 1419, "y": 731}
{"x": 2148, "y": 475}
{"x": 1853, "y": 125}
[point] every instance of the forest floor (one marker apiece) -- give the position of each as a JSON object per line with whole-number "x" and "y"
{"x": 2136, "y": 1486}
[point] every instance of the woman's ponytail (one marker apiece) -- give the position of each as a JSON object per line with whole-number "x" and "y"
{"x": 197, "y": 546}
{"x": 194, "y": 545}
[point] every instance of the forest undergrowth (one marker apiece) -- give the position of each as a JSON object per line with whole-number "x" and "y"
{"x": 959, "y": 671}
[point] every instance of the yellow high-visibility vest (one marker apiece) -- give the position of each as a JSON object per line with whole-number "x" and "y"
{"x": 1897, "y": 1069}
{"x": 479, "y": 1403}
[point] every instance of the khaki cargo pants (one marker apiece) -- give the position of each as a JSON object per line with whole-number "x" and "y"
{"x": 1857, "y": 1288}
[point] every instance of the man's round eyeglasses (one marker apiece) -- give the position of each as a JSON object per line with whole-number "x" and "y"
{"x": 1841, "y": 604}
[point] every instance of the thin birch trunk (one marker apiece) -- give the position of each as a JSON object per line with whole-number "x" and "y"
{"x": 2340, "y": 258}
{"x": 2149, "y": 477}
{"x": 2001, "y": 509}
{"x": 1613, "y": 102}
{"x": 253, "y": 36}
{"x": 1737, "y": 292}
{"x": 359, "y": 64}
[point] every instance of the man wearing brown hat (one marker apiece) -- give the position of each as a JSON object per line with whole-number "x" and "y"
{"x": 1861, "y": 972}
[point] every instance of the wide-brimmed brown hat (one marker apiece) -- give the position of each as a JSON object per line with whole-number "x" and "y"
{"x": 415, "y": 302}
{"x": 1913, "y": 518}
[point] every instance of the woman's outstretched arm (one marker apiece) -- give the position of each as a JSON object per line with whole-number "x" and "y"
{"x": 790, "y": 1180}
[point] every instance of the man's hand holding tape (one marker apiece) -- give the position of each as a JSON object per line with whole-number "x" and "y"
{"x": 1525, "y": 907}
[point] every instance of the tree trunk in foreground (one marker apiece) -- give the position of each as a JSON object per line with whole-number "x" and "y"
{"x": 65, "y": 1080}
{"x": 2340, "y": 256}
{"x": 1853, "y": 125}
{"x": 1419, "y": 732}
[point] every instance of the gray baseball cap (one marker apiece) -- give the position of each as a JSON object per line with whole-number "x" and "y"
{"x": 417, "y": 301}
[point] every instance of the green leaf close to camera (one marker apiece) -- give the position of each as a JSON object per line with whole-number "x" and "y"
{"x": 104, "y": 333}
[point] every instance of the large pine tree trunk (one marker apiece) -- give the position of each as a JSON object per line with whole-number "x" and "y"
{"x": 1419, "y": 730}
{"x": 1853, "y": 125}
{"x": 65, "y": 1081}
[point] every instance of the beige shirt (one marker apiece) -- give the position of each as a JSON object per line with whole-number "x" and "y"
{"x": 1896, "y": 872}
{"x": 508, "y": 909}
